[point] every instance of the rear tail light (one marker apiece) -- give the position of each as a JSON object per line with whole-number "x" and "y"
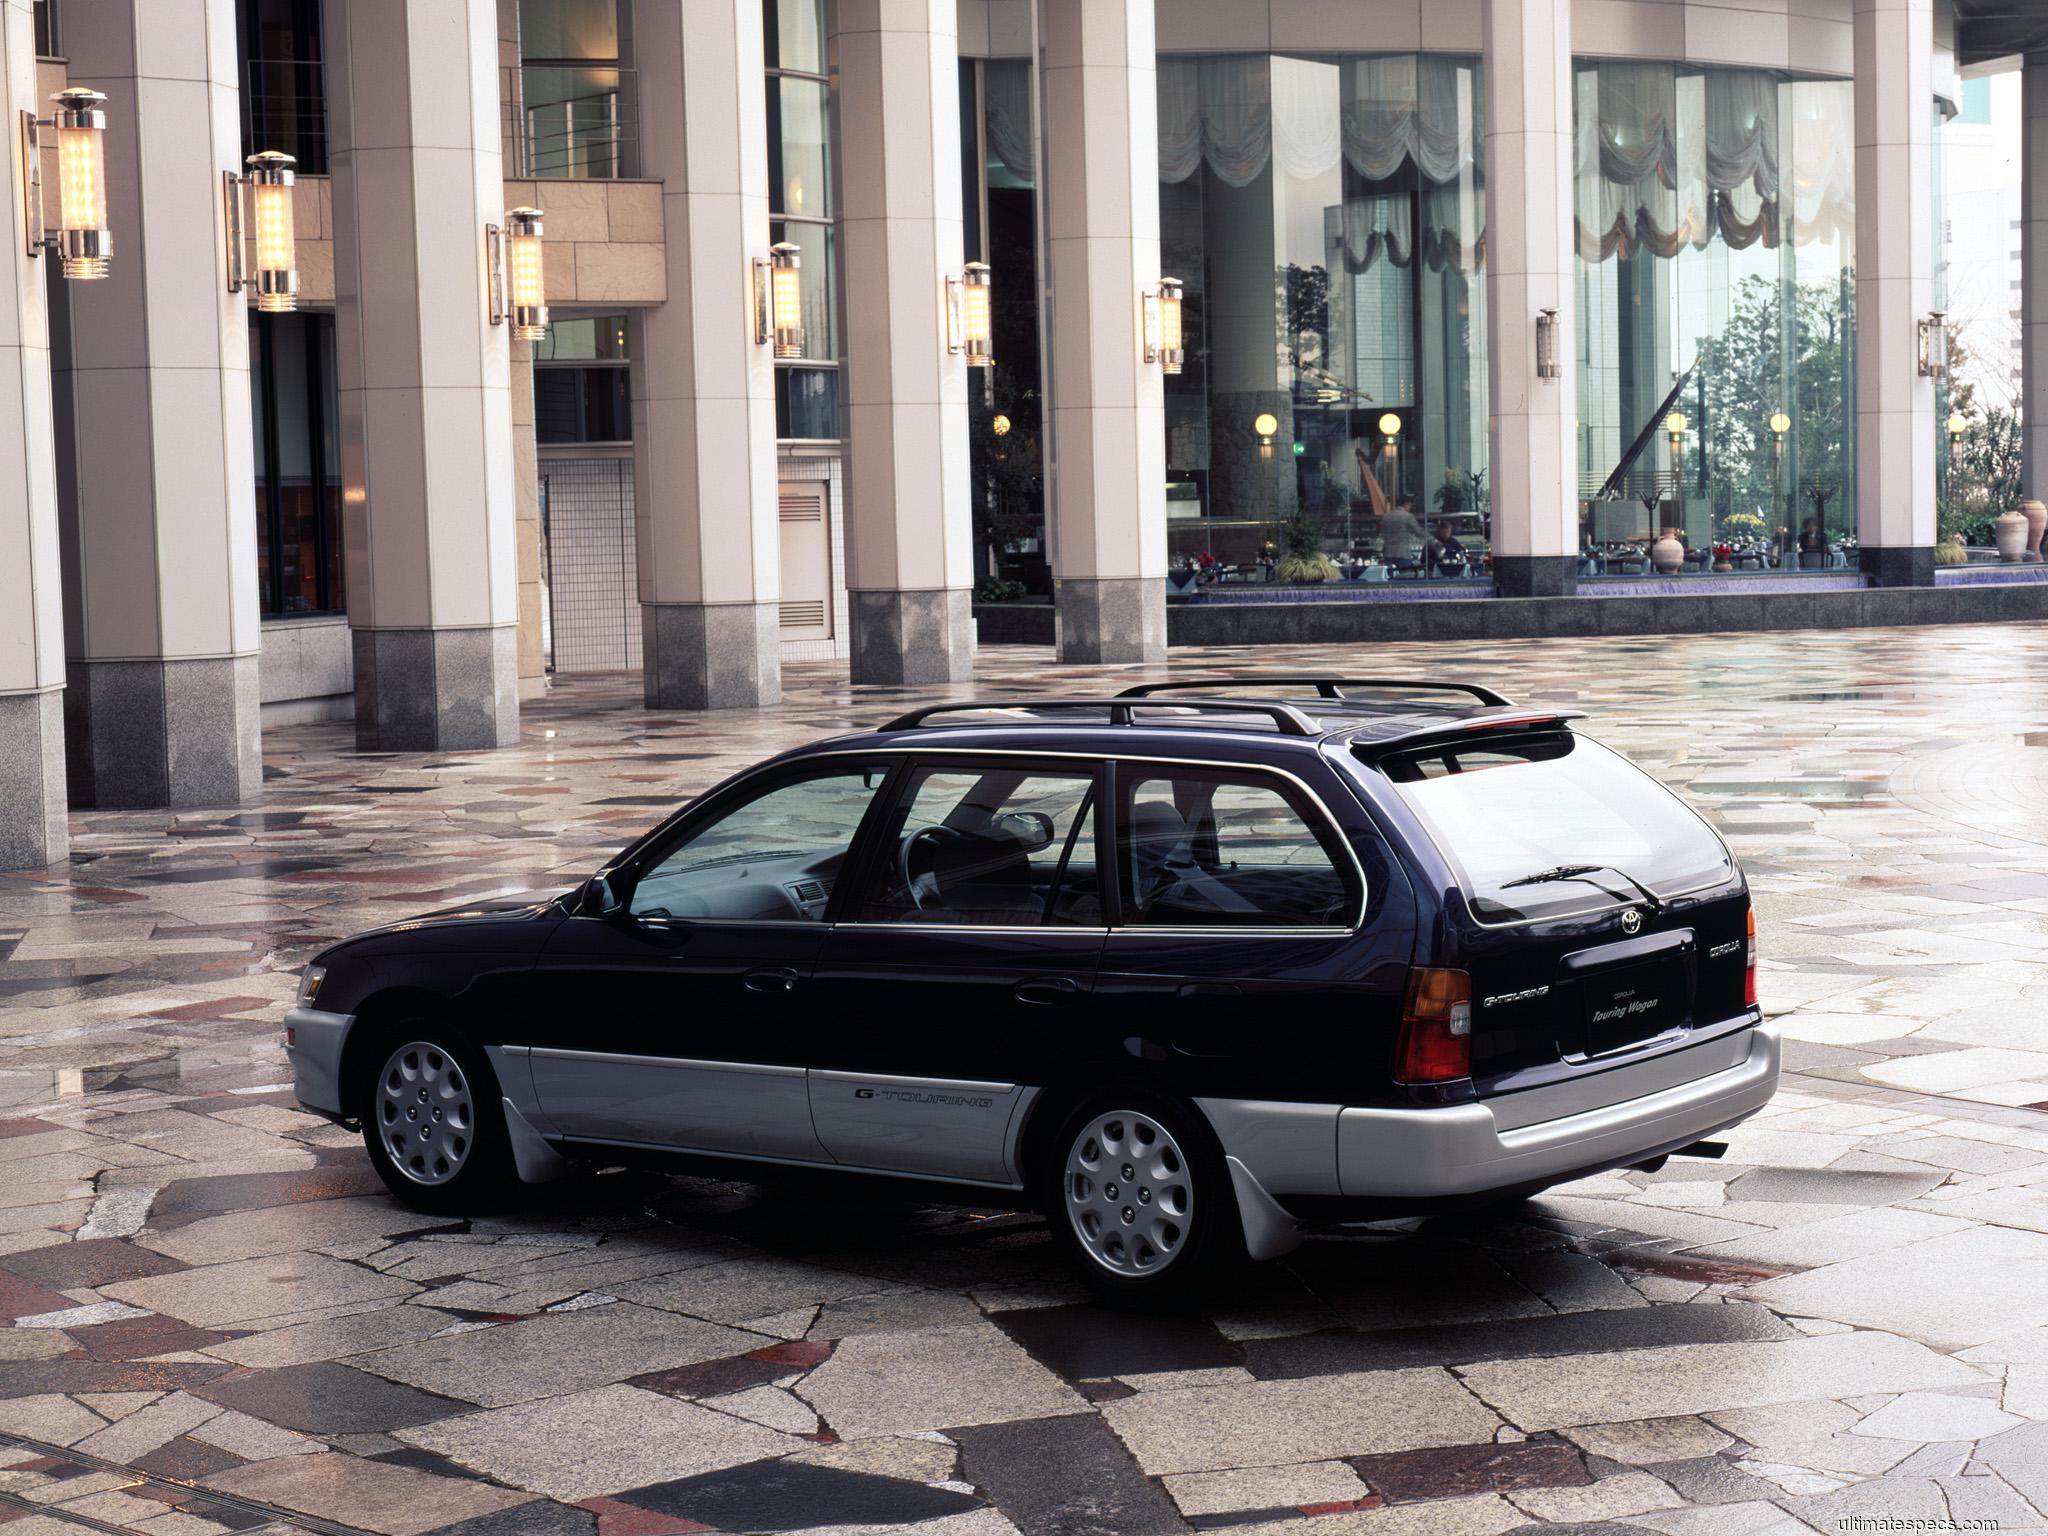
{"x": 1749, "y": 962}
{"x": 1436, "y": 1028}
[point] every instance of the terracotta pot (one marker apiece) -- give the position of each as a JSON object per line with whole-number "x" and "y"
{"x": 2011, "y": 529}
{"x": 1667, "y": 554}
{"x": 2036, "y": 515}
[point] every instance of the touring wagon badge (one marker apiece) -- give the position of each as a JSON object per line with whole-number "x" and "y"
{"x": 1631, "y": 921}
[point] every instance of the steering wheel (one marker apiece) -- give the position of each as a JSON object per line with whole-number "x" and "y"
{"x": 924, "y": 889}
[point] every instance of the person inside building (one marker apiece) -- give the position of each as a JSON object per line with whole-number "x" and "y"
{"x": 1443, "y": 555}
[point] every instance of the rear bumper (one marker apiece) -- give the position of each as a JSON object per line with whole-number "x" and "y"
{"x": 1466, "y": 1149}
{"x": 316, "y": 1041}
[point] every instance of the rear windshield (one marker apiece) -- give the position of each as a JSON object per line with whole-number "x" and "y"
{"x": 1591, "y": 827}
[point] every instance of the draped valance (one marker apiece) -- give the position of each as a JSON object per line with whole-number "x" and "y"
{"x": 1665, "y": 159}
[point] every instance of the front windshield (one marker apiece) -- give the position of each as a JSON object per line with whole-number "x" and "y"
{"x": 1586, "y": 823}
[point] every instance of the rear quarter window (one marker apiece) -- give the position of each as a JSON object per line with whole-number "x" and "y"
{"x": 1551, "y": 824}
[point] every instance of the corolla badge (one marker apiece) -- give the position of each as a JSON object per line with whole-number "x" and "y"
{"x": 1631, "y": 921}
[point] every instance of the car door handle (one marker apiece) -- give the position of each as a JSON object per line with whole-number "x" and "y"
{"x": 1049, "y": 990}
{"x": 1208, "y": 989}
{"x": 780, "y": 979}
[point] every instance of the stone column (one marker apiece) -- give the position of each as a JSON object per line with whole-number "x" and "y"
{"x": 34, "y": 831}
{"x": 1533, "y": 458}
{"x": 429, "y": 504}
{"x": 704, "y": 499}
{"x": 2034, "y": 271}
{"x": 909, "y": 536}
{"x": 1108, "y": 513}
{"x": 157, "y": 466}
{"x": 1894, "y": 289}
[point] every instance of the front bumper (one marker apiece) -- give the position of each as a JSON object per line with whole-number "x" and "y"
{"x": 315, "y": 1041}
{"x": 1467, "y": 1149}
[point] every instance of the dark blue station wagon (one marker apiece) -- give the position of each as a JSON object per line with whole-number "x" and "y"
{"x": 1195, "y": 969}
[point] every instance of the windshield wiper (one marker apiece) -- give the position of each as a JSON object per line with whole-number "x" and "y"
{"x": 1580, "y": 872}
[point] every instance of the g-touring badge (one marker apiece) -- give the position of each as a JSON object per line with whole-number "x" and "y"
{"x": 1631, "y": 921}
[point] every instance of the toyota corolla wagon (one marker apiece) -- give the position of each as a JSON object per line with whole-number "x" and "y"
{"x": 1196, "y": 969}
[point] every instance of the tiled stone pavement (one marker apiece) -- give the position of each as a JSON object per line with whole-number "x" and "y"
{"x": 220, "y": 1323}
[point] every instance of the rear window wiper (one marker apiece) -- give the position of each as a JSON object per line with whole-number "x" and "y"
{"x": 1581, "y": 872}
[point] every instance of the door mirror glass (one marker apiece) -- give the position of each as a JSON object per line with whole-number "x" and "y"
{"x": 601, "y": 896}
{"x": 1031, "y": 830}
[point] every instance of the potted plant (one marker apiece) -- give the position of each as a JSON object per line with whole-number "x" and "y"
{"x": 1304, "y": 560}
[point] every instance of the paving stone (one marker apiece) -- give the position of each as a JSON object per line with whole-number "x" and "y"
{"x": 1641, "y": 1441}
{"x": 1089, "y": 1342}
{"x": 187, "y": 1460}
{"x": 96, "y": 1262}
{"x": 147, "y": 1428}
{"x": 1699, "y": 1378}
{"x": 359, "y": 1333}
{"x": 256, "y": 1289}
{"x": 899, "y": 1456}
{"x": 1485, "y": 1514}
{"x": 327, "y": 1398}
{"x": 1458, "y": 1470}
{"x": 139, "y": 1338}
{"x": 387, "y": 1500}
{"x": 1266, "y": 1488}
{"x": 737, "y": 1291}
{"x": 251, "y": 1234}
{"x": 1830, "y": 1186}
{"x": 2008, "y": 1288}
{"x": 546, "y": 1356}
{"x": 886, "y": 1383}
{"x": 1935, "y": 1416}
{"x": 538, "y": 1517}
{"x": 1610, "y": 1498}
{"x": 252, "y": 1439}
{"x": 773, "y": 1496}
{"x": 598, "y": 1442}
{"x": 49, "y": 1417}
{"x": 1814, "y": 1435}
{"x": 1571, "y": 1333}
{"x": 1279, "y": 1422}
{"x": 769, "y": 1406}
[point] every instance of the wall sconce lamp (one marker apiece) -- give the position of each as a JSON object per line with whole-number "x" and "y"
{"x": 1265, "y": 424}
{"x": 779, "y": 300}
{"x": 269, "y": 180}
{"x": 518, "y": 277}
{"x": 968, "y": 322}
{"x": 81, "y": 237}
{"x": 1934, "y": 346}
{"x": 1546, "y": 345}
{"x": 1163, "y": 343}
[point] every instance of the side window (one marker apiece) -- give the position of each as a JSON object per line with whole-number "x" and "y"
{"x": 1000, "y": 846}
{"x": 772, "y": 858}
{"x": 1206, "y": 848}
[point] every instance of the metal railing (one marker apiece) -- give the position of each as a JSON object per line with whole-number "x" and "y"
{"x": 284, "y": 107}
{"x": 572, "y": 121}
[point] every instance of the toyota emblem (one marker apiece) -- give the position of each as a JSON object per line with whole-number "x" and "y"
{"x": 1631, "y": 921}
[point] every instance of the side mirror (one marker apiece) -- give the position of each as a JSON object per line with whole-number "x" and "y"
{"x": 602, "y": 897}
{"x": 1032, "y": 829}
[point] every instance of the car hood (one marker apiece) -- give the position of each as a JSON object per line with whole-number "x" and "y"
{"x": 502, "y": 914}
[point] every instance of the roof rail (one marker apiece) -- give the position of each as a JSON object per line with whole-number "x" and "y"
{"x": 1325, "y": 687}
{"x": 1291, "y": 721}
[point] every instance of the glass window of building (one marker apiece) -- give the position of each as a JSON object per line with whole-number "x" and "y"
{"x": 1716, "y": 224}
{"x": 298, "y": 464}
{"x": 1326, "y": 215}
{"x": 581, "y": 387}
{"x": 800, "y": 196}
{"x": 575, "y": 102}
{"x": 1006, "y": 402}
{"x": 284, "y": 88}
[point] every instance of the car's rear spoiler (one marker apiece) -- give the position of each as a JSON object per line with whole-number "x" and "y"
{"x": 1372, "y": 746}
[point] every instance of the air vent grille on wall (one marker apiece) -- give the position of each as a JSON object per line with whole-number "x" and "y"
{"x": 800, "y": 615}
{"x": 805, "y": 507}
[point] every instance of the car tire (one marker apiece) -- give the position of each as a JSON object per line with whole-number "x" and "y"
{"x": 1136, "y": 1191}
{"x": 434, "y": 1122}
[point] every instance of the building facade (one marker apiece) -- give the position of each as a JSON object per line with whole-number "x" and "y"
{"x": 1485, "y": 316}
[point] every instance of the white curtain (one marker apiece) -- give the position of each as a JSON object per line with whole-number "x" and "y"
{"x": 1666, "y": 159}
{"x": 1008, "y": 83}
{"x": 1386, "y": 112}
